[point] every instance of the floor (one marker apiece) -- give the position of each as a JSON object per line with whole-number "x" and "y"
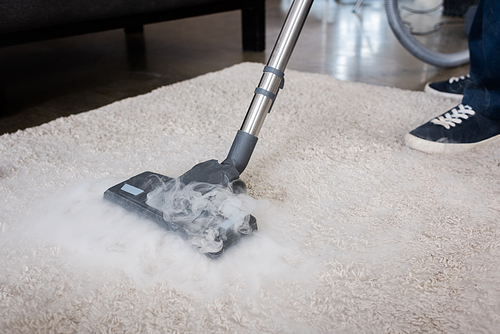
{"x": 46, "y": 80}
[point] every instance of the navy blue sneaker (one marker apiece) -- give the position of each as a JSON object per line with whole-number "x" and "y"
{"x": 457, "y": 130}
{"x": 452, "y": 88}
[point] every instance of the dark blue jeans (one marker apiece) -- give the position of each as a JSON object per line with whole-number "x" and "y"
{"x": 483, "y": 94}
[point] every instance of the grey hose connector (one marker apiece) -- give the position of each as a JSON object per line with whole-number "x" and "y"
{"x": 410, "y": 43}
{"x": 241, "y": 150}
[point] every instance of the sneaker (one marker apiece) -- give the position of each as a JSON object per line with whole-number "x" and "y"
{"x": 452, "y": 88}
{"x": 457, "y": 130}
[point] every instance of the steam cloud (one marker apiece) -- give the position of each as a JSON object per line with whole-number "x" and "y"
{"x": 100, "y": 240}
{"x": 204, "y": 211}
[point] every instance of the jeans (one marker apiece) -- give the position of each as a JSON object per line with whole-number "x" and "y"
{"x": 483, "y": 93}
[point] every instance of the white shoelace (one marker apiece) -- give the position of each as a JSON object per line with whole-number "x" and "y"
{"x": 454, "y": 116}
{"x": 457, "y": 79}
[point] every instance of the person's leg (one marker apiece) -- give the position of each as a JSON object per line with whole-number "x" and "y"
{"x": 483, "y": 92}
{"x": 476, "y": 120}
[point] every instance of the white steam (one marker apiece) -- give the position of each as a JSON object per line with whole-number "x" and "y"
{"x": 205, "y": 212}
{"x": 98, "y": 240}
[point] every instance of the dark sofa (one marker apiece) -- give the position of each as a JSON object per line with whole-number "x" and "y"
{"x": 23, "y": 21}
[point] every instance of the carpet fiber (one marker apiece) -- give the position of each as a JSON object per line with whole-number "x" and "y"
{"x": 357, "y": 233}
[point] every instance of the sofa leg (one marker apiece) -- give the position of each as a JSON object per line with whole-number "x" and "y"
{"x": 136, "y": 47}
{"x": 136, "y": 29}
{"x": 253, "y": 21}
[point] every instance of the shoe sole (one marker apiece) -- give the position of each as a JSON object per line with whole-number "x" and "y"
{"x": 428, "y": 146}
{"x": 432, "y": 91}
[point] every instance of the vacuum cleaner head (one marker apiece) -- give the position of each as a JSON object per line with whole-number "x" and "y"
{"x": 195, "y": 205}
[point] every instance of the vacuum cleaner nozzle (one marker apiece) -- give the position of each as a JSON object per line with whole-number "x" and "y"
{"x": 162, "y": 199}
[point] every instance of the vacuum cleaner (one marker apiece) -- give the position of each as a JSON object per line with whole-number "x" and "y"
{"x": 148, "y": 192}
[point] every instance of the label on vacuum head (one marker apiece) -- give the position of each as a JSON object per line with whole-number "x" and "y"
{"x": 131, "y": 189}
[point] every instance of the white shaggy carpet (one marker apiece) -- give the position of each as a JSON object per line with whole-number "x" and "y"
{"x": 357, "y": 233}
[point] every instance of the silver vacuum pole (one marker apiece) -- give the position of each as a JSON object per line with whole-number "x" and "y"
{"x": 270, "y": 83}
{"x": 273, "y": 77}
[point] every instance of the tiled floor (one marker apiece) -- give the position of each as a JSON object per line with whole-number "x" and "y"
{"x": 45, "y": 80}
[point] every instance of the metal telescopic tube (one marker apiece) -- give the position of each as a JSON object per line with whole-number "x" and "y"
{"x": 272, "y": 81}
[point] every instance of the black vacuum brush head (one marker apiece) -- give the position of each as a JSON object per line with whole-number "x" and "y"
{"x": 190, "y": 205}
